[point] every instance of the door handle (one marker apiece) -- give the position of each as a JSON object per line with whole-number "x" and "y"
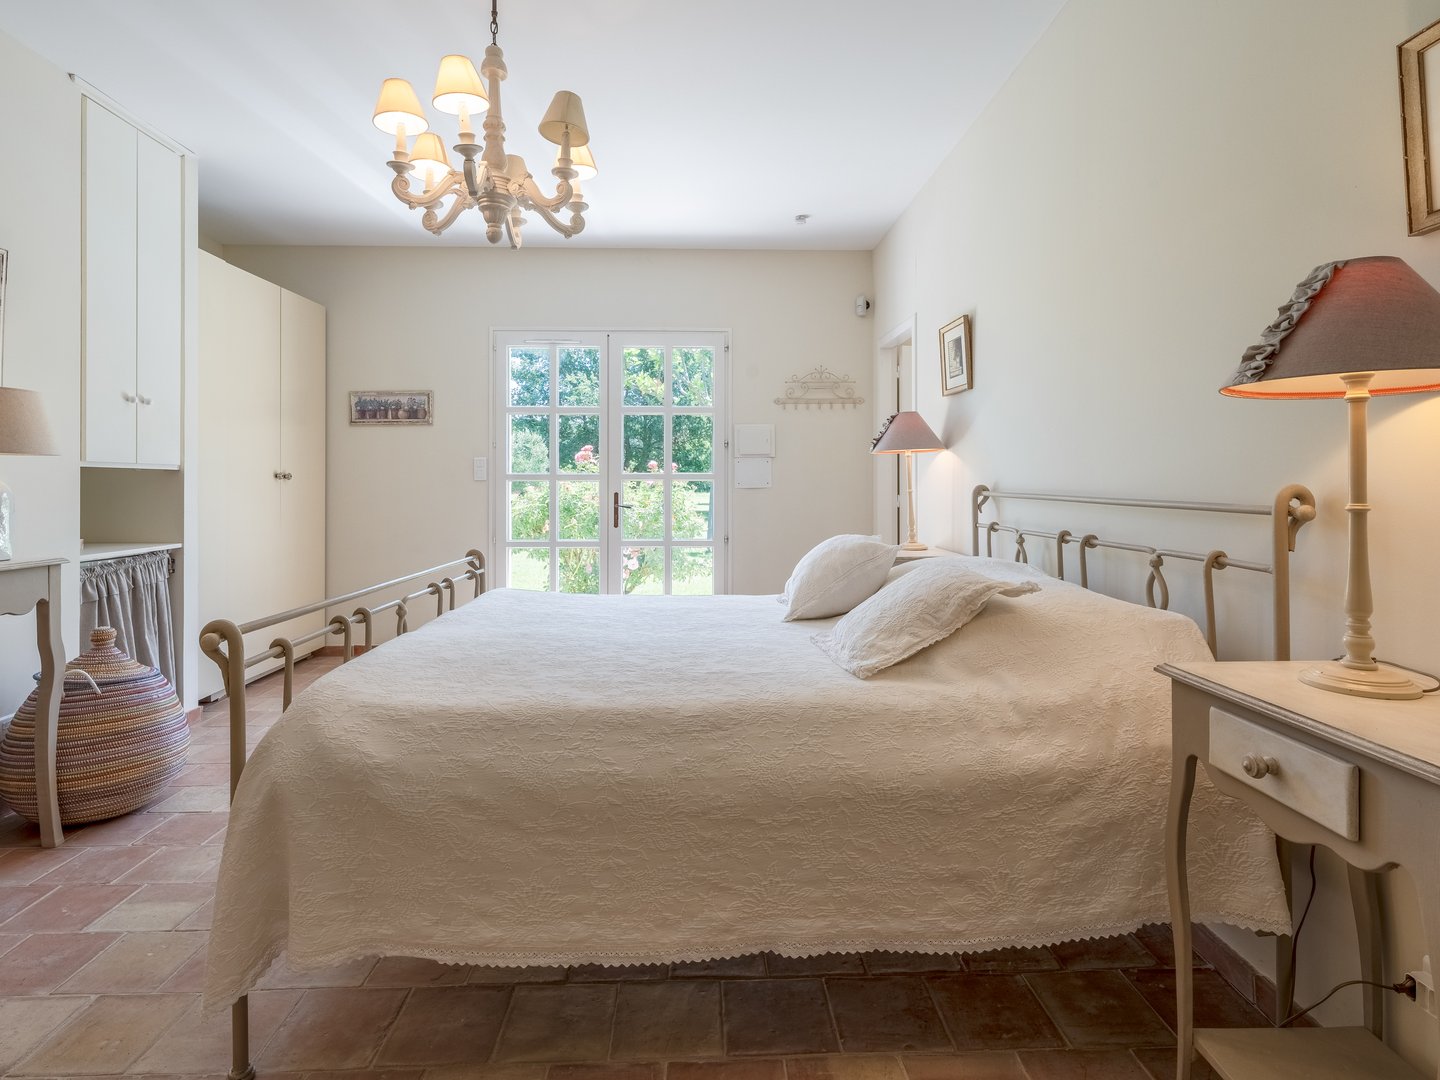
{"x": 620, "y": 506}
{"x": 144, "y": 400}
{"x": 127, "y": 396}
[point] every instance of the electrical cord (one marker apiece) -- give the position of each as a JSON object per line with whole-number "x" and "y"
{"x": 1295, "y": 937}
{"x": 1406, "y": 987}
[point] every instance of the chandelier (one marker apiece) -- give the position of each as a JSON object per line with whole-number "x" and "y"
{"x": 496, "y": 183}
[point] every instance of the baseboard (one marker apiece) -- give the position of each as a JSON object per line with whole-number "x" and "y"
{"x": 1254, "y": 987}
{"x": 339, "y": 650}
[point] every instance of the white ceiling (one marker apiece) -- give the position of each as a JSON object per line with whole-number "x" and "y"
{"x": 714, "y": 123}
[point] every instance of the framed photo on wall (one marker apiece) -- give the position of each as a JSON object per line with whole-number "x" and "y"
{"x": 392, "y": 407}
{"x": 1420, "y": 108}
{"x": 955, "y": 370}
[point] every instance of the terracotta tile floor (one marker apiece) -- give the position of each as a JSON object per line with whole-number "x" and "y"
{"x": 102, "y": 946}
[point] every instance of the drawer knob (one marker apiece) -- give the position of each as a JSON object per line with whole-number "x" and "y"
{"x": 1258, "y": 766}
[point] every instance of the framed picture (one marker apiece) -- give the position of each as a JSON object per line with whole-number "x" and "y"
{"x": 392, "y": 407}
{"x": 1420, "y": 110}
{"x": 955, "y": 373}
{"x": 4, "y": 258}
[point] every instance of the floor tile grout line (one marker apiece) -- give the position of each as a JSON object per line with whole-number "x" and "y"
{"x": 1059, "y": 1028}
{"x": 944, "y": 1026}
{"x": 830, "y": 1012}
{"x": 50, "y": 1036}
{"x": 504, "y": 1023}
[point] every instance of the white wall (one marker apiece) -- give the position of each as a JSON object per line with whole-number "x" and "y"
{"x": 40, "y": 226}
{"x": 402, "y": 499}
{"x": 1122, "y": 222}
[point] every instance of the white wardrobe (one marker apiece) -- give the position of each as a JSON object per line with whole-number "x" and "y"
{"x": 262, "y": 456}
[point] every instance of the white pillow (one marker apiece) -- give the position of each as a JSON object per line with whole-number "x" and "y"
{"x": 918, "y": 609}
{"x": 835, "y": 575}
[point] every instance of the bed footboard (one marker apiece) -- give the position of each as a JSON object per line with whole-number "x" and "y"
{"x": 223, "y": 642}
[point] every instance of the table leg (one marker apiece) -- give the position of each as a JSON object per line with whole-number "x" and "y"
{"x": 1365, "y": 899}
{"x": 1182, "y": 786}
{"x": 1285, "y": 943}
{"x": 47, "y": 715}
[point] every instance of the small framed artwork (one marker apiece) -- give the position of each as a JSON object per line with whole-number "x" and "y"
{"x": 1420, "y": 111}
{"x": 4, "y": 258}
{"x": 392, "y": 407}
{"x": 955, "y": 373}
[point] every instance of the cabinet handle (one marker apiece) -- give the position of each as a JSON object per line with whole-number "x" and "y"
{"x": 129, "y": 397}
{"x": 1259, "y": 766}
{"x": 144, "y": 400}
{"x": 284, "y": 476}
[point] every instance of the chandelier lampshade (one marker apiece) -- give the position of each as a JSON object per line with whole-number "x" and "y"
{"x": 489, "y": 178}
{"x": 458, "y": 86}
{"x": 583, "y": 162}
{"x": 566, "y": 116}
{"x": 398, "y": 109}
{"x": 429, "y": 158}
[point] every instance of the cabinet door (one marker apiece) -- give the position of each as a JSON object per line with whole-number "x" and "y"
{"x": 239, "y": 451}
{"x": 302, "y": 452}
{"x": 109, "y": 286}
{"x": 158, "y": 303}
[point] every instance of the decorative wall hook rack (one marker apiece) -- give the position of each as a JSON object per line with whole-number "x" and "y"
{"x": 820, "y": 388}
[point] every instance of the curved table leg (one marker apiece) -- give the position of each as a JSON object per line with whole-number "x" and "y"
{"x": 47, "y": 713}
{"x": 1365, "y": 899}
{"x": 1182, "y": 786}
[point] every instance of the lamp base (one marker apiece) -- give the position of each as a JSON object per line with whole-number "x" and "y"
{"x": 914, "y": 545}
{"x": 1383, "y": 681}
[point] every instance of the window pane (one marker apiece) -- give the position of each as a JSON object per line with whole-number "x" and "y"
{"x": 645, "y": 520}
{"x": 529, "y": 376}
{"x": 529, "y": 510}
{"x": 579, "y": 570}
{"x": 529, "y": 443}
{"x": 644, "y": 377}
{"x": 530, "y": 569}
{"x": 692, "y": 572}
{"x": 690, "y": 511}
{"x": 692, "y": 440}
{"x": 642, "y": 570}
{"x": 579, "y": 510}
{"x": 579, "y": 376}
{"x": 644, "y": 443}
{"x": 579, "y": 442}
{"x": 692, "y": 378}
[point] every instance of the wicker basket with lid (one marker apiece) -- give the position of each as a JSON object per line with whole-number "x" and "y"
{"x": 115, "y": 750}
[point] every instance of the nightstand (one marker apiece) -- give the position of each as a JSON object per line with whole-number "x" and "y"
{"x": 931, "y": 552}
{"x": 1361, "y": 777}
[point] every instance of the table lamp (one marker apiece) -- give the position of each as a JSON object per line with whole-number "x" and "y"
{"x": 23, "y": 430}
{"x": 907, "y": 433}
{"x": 1353, "y": 329}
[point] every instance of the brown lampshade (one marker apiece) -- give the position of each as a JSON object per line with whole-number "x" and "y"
{"x": 906, "y": 431}
{"x": 1373, "y": 314}
{"x": 23, "y": 427}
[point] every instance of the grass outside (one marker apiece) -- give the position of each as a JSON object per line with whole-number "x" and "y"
{"x": 530, "y": 569}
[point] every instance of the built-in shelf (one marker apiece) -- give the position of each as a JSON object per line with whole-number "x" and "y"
{"x": 118, "y": 549}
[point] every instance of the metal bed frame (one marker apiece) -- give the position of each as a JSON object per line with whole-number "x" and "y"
{"x": 1292, "y": 507}
{"x": 223, "y": 641}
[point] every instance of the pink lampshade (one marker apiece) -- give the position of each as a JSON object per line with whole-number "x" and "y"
{"x": 1373, "y": 314}
{"x": 906, "y": 431}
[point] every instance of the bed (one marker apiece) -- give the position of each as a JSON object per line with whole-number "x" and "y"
{"x": 551, "y": 779}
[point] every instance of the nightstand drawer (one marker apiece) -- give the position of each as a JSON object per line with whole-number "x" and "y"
{"x": 1323, "y": 788}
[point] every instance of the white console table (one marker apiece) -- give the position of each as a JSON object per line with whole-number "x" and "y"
{"x": 36, "y": 585}
{"x": 1359, "y": 776}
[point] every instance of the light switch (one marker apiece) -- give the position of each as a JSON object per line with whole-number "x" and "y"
{"x": 481, "y": 468}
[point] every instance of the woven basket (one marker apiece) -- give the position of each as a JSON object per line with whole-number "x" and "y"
{"x": 115, "y": 750}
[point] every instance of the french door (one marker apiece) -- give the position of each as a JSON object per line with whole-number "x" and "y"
{"x": 611, "y": 447}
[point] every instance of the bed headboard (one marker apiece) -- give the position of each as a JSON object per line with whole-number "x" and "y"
{"x": 1291, "y": 508}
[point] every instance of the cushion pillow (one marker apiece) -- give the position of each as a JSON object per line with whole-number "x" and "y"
{"x": 918, "y": 609}
{"x": 835, "y": 575}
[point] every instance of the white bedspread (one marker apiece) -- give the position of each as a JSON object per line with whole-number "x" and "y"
{"x": 547, "y": 779}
